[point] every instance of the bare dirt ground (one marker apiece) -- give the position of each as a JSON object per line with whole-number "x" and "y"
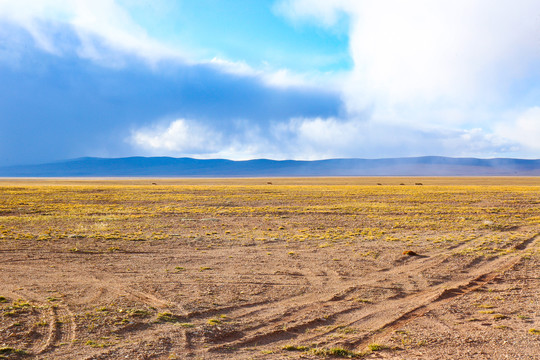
{"x": 270, "y": 268}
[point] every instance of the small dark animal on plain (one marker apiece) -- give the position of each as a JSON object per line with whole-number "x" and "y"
{"x": 269, "y": 183}
{"x": 418, "y": 184}
{"x": 154, "y": 184}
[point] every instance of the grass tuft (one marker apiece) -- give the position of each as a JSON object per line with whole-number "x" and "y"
{"x": 295, "y": 348}
{"x": 377, "y": 347}
{"x": 167, "y": 317}
{"x": 336, "y": 352}
{"x": 214, "y": 321}
{"x": 138, "y": 313}
{"x": 8, "y": 350}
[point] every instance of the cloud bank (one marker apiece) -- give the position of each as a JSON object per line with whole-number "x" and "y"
{"x": 459, "y": 67}
{"x": 444, "y": 78}
{"x": 48, "y": 113}
{"x": 418, "y": 50}
{"x": 458, "y": 78}
{"x": 313, "y": 138}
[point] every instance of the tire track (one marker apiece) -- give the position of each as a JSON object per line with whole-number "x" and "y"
{"x": 111, "y": 284}
{"x": 62, "y": 329}
{"x": 295, "y": 312}
{"x": 432, "y": 303}
{"x": 401, "y": 309}
{"x": 492, "y": 270}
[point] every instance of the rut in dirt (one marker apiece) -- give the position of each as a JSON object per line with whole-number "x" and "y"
{"x": 317, "y": 322}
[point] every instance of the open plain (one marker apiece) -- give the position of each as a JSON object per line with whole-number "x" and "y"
{"x": 374, "y": 268}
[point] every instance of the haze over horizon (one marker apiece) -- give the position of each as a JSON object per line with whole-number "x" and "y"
{"x": 278, "y": 79}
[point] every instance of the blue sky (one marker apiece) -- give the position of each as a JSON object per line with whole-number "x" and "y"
{"x": 249, "y": 31}
{"x": 281, "y": 79}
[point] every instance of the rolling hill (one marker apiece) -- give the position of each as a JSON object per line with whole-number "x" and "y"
{"x": 188, "y": 167}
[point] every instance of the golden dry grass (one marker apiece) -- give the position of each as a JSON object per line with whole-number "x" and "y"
{"x": 239, "y": 268}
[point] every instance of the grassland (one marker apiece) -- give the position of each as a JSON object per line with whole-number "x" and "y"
{"x": 404, "y": 268}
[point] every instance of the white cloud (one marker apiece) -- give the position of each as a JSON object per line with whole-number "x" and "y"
{"x": 424, "y": 50}
{"x": 178, "y": 137}
{"x": 458, "y": 52}
{"x": 331, "y": 137}
{"x": 284, "y": 78}
{"x": 233, "y": 67}
{"x": 524, "y": 129}
{"x": 313, "y": 138}
{"x": 281, "y": 78}
{"x": 101, "y": 26}
{"x": 422, "y": 64}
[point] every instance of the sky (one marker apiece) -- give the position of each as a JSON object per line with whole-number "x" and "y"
{"x": 278, "y": 79}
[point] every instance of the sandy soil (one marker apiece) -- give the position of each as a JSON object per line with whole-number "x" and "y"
{"x": 269, "y": 271}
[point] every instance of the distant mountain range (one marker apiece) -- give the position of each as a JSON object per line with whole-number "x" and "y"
{"x": 188, "y": 167}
